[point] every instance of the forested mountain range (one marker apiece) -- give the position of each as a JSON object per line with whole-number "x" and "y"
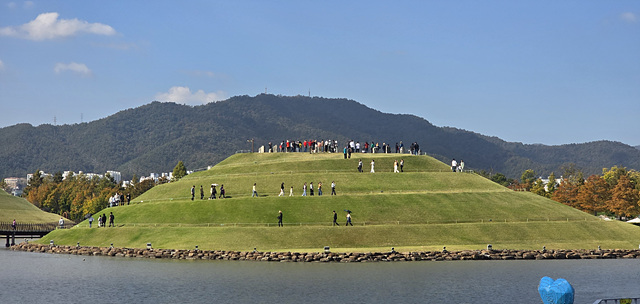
{"x": 154, "y": 137}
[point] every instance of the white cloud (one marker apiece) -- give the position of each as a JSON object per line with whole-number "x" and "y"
{"x": 629, "y": 17}
{"x": 25, "y": 5}
{"x": 48, "y": 26}
{"x": 79, "y": 68}
{"x": 184, "y": 95}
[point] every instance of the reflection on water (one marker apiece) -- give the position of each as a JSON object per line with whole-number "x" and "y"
{"x": 39, "y": 278}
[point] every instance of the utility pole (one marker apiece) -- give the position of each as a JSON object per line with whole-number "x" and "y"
{"x": 251, "y": 140}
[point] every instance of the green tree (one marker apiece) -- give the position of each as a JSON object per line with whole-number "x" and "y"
{"x": 57, "y": 177}
{"x": 141, "y": 187}
{"x": 34, "y": 182}
{"x": 107, "y": 181}
{"x": 527, "y": 178}
{"x": 612, "y": 175}
{"x": 134, "y": 180}
{"x": 499, "y": 178}
{"x": 179, "y": 171}
{"x": 551, "y": 186}
{"x": 538, "y": 187}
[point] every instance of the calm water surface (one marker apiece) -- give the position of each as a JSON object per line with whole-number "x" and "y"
{"x": 48, "y": 278}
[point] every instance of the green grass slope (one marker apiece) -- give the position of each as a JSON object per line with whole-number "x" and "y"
{"x": 22, "y": 211}
{"x": 426, "y": 207}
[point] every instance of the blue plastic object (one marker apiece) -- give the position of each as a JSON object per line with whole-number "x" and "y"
{"x": 555, "y": 292}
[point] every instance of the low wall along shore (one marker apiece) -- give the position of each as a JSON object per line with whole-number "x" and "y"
{"x": 331, "y": 257}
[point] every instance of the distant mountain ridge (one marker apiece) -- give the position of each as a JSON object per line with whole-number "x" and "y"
{"x": 154, "y": 137}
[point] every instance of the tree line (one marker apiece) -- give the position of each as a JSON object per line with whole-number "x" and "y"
{"x": 76, "y": 196}
{"x": 616, "y": 192}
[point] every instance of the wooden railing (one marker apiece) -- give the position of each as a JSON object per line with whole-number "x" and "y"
{"x": 7, "y": 228}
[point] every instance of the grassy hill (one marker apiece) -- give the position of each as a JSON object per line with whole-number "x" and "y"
{"x": 424, "y": 208}
{"x": 22, "y": 211}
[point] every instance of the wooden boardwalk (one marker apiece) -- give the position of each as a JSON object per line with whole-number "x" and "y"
{"x": 29, "y": 229}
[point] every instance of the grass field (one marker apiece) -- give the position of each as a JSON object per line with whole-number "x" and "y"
{"x": 424, "y": 208}
{"x": 22, "y": 211}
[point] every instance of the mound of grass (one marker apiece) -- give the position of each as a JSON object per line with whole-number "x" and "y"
{"x": 22, "y": 211}
{"x": 426, "y": 207}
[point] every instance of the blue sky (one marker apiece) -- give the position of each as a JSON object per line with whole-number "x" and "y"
{"x": 551, "y": 72}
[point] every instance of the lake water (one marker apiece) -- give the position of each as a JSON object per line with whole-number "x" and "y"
{"x": 48, "y": 278}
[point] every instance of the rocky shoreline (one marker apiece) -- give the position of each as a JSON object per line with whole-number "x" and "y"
{"x": 392, "y": 256}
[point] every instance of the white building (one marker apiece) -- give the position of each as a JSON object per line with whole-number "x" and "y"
{"x": 117, "y": 176}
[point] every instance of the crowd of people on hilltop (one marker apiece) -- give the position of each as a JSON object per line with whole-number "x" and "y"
{"x": 119, "y": 199}
{"x": 331, "y": 146}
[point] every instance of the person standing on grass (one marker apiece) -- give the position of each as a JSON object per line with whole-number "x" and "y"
{"x": 291, "y": 191}
{"x": 333, "y": 188}
{"x": 280, "y": 219}
{"x": 104, "y": 220}
{"x": 401, "y": 165}
{"x": 395, "y": 166}
{"x": 111, "y": 217}
{"x": 90, "y": 220}
{"x": 304, "y": 189}
{"x": 254, "y": 193}
{"x": 61, "y": 223}
{"x": 461, "y": 165}
{"x": 335, "y": 219}
{"x": 454, "y": 165}
{"x": 311, "y": 188}
{"x": 14, "y": 225}
{"x": 193, "y": 192}
{"x": 99, "y": 221}
{"x": 360, "y": 166}
{"x": 213, "y": 192}
{"x": 201, "y": 193}
{"x": 348, "y": 219}
{"x": 222, "y": 192}
{"x": 319, "y": 188}
{"x": 373, "y": 163}
{"x": 281, "y": 189}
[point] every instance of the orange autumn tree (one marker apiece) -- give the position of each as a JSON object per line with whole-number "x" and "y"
{"x": 567, "y": 193}
{"x": 624, "y": 198}
{"x": 593, "y": 195}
